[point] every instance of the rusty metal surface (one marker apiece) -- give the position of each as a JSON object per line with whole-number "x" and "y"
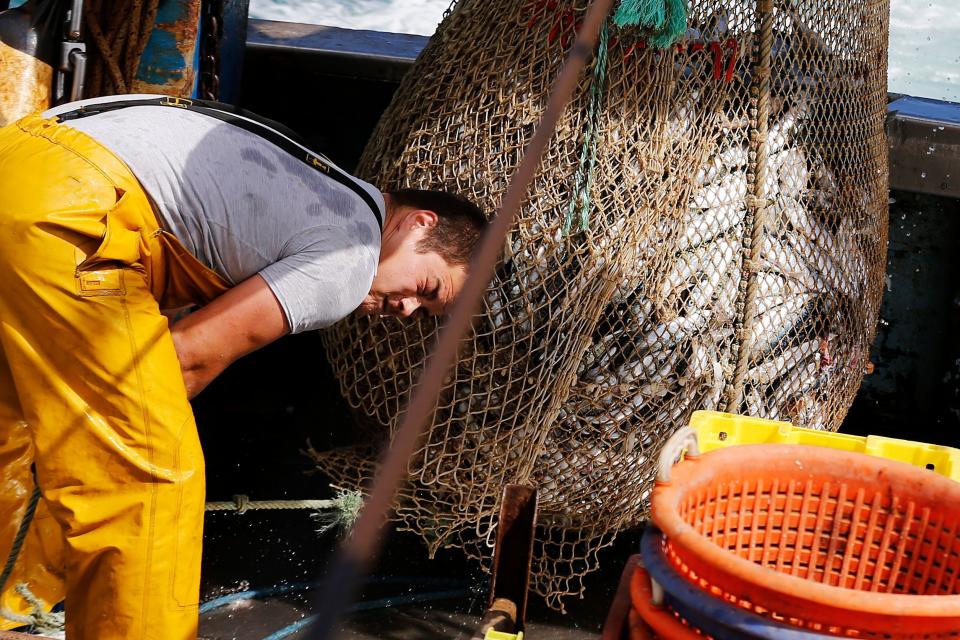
{"x": 24, "y": 84}
{"x": 514, "y": 549}
{"x": 167, "y": 63}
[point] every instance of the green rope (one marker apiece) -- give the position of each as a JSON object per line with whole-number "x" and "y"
{"x": 341, "y": 514}
{"x": 666, "y": 20}
{"x": 645, "y": 13}
{"x": 586, "y": 170}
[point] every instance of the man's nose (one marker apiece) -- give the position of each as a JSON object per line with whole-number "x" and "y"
{"x": 406, "y": 307}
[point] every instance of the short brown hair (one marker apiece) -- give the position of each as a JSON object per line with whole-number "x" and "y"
{"x": 460, "y": 223}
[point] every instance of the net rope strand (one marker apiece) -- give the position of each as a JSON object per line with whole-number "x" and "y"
{"x": 241, "y": 504}
{"x": 756, "y": 204}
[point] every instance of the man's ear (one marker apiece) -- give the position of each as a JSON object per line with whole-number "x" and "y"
{"x": 423, "y": 218}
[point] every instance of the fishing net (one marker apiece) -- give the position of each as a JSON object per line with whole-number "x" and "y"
{"x": 707, "y": 231}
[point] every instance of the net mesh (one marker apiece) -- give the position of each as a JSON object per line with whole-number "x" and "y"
{"x": 707, "y": 231}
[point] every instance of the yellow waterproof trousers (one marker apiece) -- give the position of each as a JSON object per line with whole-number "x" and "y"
{"x": 92, "y": 401}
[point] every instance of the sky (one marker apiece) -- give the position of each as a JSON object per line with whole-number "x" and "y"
{"x": 925, "y": 49}
{"x": 924, "y": 36}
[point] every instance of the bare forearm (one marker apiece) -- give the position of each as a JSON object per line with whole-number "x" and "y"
{"x": 241, "y": 321}
{"x": 197, "y": 372}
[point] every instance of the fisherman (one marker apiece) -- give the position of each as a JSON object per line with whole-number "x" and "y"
{"x": 111, "y": 216}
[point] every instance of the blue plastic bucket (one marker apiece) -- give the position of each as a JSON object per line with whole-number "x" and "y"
{"x": 705, "y": 611}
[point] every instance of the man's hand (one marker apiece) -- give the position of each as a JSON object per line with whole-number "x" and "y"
{"x": 242, "y": 320}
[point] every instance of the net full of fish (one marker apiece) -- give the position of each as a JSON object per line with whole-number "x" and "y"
{"x": 720, "y": 268}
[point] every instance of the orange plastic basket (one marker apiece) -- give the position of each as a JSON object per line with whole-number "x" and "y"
{"x": 662, "y": 622}
{"x": 837, "y": 542}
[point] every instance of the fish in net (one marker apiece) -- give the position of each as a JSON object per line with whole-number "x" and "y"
{"x": 707, "y": 231}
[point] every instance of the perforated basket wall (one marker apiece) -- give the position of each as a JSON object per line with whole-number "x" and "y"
{"x": 727, "y": 208}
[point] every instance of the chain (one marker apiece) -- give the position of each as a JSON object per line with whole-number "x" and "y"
{"x": 212, "y": 32}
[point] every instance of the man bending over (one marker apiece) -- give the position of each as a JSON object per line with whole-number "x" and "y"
{"x": 110, "y": 216}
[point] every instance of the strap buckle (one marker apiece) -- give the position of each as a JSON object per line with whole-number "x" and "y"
{"x": 318, "y": 163}
{"x": 171, "y": 101}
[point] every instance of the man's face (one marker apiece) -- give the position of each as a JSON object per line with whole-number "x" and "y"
{"x": 409, "y": 283}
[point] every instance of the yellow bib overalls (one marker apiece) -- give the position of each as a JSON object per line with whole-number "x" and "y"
{"x": 91, "y": 393}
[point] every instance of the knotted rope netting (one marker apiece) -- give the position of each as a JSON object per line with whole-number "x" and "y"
{"x": 708, "y": 231}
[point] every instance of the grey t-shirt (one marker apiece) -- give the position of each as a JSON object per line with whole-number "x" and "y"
{"x": 243, "y": 206}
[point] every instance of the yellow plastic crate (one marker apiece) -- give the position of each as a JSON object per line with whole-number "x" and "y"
{"x": 500, "y": 635}
{"x": 716, "y": 430}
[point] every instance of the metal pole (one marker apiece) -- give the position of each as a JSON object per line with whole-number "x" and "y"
{"x": 78, "y": 61}
{"x": 363, "y": 546}
{"x": 76, "y": 18}
{"x": 73, "y": 58}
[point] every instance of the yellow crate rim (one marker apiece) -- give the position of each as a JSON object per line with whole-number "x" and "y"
{"x": 716, "y": 430}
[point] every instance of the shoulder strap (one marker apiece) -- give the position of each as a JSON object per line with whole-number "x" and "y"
{"x": 269, "y": 130}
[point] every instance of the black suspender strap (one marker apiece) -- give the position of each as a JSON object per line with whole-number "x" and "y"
{"x": 269, "y": 130}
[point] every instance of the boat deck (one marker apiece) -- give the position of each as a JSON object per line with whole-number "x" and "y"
{"x": 408, "y": 597}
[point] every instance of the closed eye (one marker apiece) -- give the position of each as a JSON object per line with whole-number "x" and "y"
{"x": 432, "y": 294}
